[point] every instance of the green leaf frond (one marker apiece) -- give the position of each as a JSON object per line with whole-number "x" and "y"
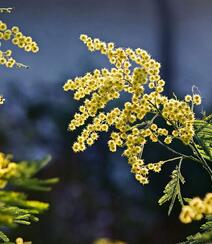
{"x": 201, "y": 237}
{"x": 203, "y": 137}
{"x": 3, "y": 237}
{"x": 15, "y": 206}
{"x": 172, "y": 189}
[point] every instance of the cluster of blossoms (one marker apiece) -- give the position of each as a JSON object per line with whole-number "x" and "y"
{"x": 6, "y": 59}
{"x": 133, "y": 126}
{"x": 7, "y": 169}
{"x": 18, "y": 39}
{"x": 196, "y": 209}
{"x": 107, "y": 241}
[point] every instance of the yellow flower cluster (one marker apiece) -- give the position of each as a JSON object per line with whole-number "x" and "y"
{"x": 196, "y": 209}
{"x": 7, "y": 169}
{"x": 6, "y": 59}
{"x": 16, "y": 36}
{"x": 107, "y": 241}
{"x": 137, "y": 74}
{"x": 179, "y": 114}
{"x": 141, "y": 172}
{"x": 196, "y": 99}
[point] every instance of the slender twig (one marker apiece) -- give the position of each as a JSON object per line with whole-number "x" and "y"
{"x": 178, "y": 153}
{"x": 182, "y": 180}
{"x": 172, "y": 159}
{"x": 203, "y": 161}
{"x": 146, "y": 123}
{"x": 6, "y": 10}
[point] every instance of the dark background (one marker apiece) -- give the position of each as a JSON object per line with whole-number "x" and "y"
{"x": 97, "y": 195}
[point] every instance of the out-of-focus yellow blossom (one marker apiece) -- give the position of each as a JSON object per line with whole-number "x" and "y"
{"x": 2, "y": 99}
{"x": 134, "y": 72}
{"x": 20, "y": 240}
{"x": 18, "y": 39}
{"x": 108, "y": 241}
{"x": 8, "y": 169}
{"x": 196, "y": 209}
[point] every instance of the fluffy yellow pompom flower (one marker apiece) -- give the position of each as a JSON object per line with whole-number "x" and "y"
{"x": 188, "y": 98}
{"x": 19, "y": 241}
{"x": 196, "y": 209}
{"x": 197, "y": 99}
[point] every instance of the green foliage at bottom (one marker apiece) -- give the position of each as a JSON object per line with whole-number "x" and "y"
{"x": 15, "y": 206}
{"x": 201, "y": 237}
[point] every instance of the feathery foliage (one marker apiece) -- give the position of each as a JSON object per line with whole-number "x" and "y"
{"x": 173, "y": 189}
{"x": 203, "y": 136}
{"x": 15, "y": 207}
{"x": 201, "y": 237}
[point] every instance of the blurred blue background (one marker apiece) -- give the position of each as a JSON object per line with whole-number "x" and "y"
{"x": 97, "y": 196}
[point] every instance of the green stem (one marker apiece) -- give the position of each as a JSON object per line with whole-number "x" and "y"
{"x": 172, "y": 159}
{"x": 178, "y": 153}
{"x": 202, "y": 160}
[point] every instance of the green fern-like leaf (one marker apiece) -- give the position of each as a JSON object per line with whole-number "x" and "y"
{"x": 201, "y": 237}
{"x": 24, "y": 178}
{"x": 30, "y": 168}
{"x": 203, "y": 137}
{"x": 173, "y": 189}
{"x": 3, "y": 237}
{"x": 15, "y": 207}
